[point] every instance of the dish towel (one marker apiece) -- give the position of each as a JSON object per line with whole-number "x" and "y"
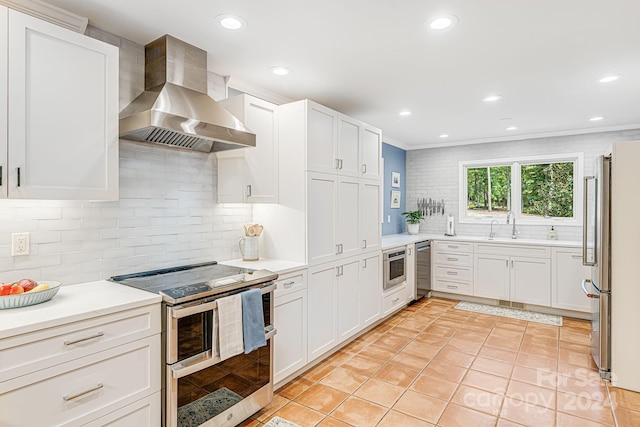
{"x": 252, "y": 320}
{"x": 230, "y": 326}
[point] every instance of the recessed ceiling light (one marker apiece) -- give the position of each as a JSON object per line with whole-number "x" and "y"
{"x": 512, "y": 128}
{"x": 231, "y": 22}
{"x": 280, "y": 71}
{"x": 596, "y": 118}
{"x": 405, "y": 113}
{"x": 609, "y": 79}
{"x": 492, "y": 98}
{"x": 443, "y": 22}
{"x": 444, "y": 135}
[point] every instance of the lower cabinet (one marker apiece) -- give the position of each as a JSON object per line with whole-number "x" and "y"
{"x": 322, "y": 313}
{"x": 394, "y": 299}
{"x": 144, "y": 412}
{"x": 348, "y": 298}
{"x": 567, "y": 273}
{"x": 290, "y": 319}
{"x": 370, "y": 288}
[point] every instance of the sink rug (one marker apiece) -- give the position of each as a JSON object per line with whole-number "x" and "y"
{"x": 280, "y": 422}
{"x": 197, "y": 412}
{"x": 547, "y": 319}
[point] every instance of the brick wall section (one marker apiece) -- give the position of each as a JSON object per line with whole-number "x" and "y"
{"x": 434, "y": 173}
{"x": 167, "y": 213}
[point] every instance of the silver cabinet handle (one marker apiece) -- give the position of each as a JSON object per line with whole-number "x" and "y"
{"x": 68, "y": 398}
{"x": 576, "y": 256}
{"x": 337, "y": 163}
{"x": 364, "y": 244}
{"x": 395, "y": 300}
{"x": 18, "y": 170}
{"x": 288, "y": 284}
{"x": 511, "y": 263}
{"x": 0, "y": 175}
{"x": 452, "y": 246}
{"x": 340, "y": 162}
{"x": 452, "y": 273}
{"x": 452, "y": 287}
{"x": 249, "y": 190}
{"x": 584, "y": 222}
{"x": 584, "y": 289}
{"x": 408, "y": 251}
{"x": 506, "y": 263}
{"x": 364, "y": 263}
{"x": 364, "y": 168}
{"x": 339, "y": 271}
{"x": 79, "y": 340}
{"x": 452, "y": 259}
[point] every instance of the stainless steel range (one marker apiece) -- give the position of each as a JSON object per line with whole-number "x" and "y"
{"x": 199, "y": 388}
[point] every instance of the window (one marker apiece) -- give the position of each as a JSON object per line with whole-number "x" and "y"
{"x": 535, "y": 189}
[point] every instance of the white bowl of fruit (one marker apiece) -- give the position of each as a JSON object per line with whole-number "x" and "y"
{"x": 26, "y": 292}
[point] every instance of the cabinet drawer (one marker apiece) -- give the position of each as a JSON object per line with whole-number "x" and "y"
{"x": 513, "y": 250}
{"x": 84, "y": 389}
{"x": 458, "y": 247}
{"x": 143, "y": 413}
{"x": 394, "y": 300}
{"x": 454, "y": 273}
{"x": 291, "y": 282}
{"x": 464, "y": 288}
{"x": 461, "y": 260}
{"x": 39, "y": 350}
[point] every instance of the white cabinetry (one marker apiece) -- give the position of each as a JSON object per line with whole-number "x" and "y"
{"x": 452, "y": 267}
{"x": 61, "y": 108}
{"x": 251, "y": 174}
{"x": 321, "y": 135}
{"x": 371, "y": 152}
{"x": 370, "y": 202}
{"x": 348, "y": 298}
{"x": 322, "y": 312}
{"x": 102, "y": 370}
{"x": 348, "y": 152}
{"x": 513, "y": 273}
{"x": 370, "y": 288}
{"x": 290, "y": 319}
{"x": 567, "y": 273}
{"x": 321, "y": 217}
{"x": 394, "y": 299}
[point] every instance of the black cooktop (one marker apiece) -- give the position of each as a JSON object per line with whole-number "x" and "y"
{"x": 191, "y": 282}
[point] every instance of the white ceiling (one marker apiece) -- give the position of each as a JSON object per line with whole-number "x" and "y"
{"x": 373, "y": 58}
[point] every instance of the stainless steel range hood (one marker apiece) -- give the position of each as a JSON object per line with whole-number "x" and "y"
{"x": 175, "y": 109}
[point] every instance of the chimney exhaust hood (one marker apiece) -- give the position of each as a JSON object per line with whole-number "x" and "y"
{"x": 174, "y": 109}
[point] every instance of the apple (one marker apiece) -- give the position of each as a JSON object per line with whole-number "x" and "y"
{"x": 5, "y": 289}
{"x": 27, "y": 284}
{"x": 16, "y": 289}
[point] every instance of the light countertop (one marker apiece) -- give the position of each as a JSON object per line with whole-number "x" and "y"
{"x": 276, "y": 265}
{"x": 394, "y": 240}
{"x": 74, "y": 303}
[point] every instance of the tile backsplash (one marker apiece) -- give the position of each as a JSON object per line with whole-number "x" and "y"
{"x": 167, "y": 213}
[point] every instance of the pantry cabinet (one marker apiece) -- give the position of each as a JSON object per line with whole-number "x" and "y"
{"x": 348, "y": 298}
{"x": 567, "y": 273}
{"x": 370, "y": 284}
{"x": 251, "y": 174}
{"x": 322, "y": 311}
{"x": 321, "y": 131}
{"x": 59, "y": 97}
{"x": 371, "y": 152}
{"x": 370, "y": 220}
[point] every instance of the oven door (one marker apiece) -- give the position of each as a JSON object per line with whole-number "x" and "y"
{"x": 394, "y": 268}
{"x": 199, "y": 386}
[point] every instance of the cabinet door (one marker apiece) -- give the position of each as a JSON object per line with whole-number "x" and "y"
{"x": 567, "y": 273}
{"x": 370, "y": 229}
{"x": 322, "y": 314}
{"x": 492, "y": 277}
{"x": 4, "y": 55}
{"x": 145, "y": 412}
{"x": 290, "y": 343}
{"x": 370, "y": 288}
{"x": 322, "y": 136}
{"x": 371, "y": 152}
{"x": 348, "y": 299}
{"x": 321, "y": 217}
{"x": 347, "y": 217}
{"x": 63, "y": 113}
{"x": 348, "y": 146}
{"x": 411, "y": 271}
{"x": 531, "y": 280}
{"x": 231, "y": 183}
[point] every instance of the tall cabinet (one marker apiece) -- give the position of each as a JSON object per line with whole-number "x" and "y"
{"x": 58, "y": 104}
{"x": 331, "y": 221}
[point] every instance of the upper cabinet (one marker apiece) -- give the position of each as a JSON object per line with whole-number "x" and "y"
{"x": 60, "y": 139}
{"x": 337, "y": 143}
{"x": 250, "y": 175}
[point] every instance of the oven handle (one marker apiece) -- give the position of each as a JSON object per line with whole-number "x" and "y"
{"x": 206, "y": 359}
{"x": 179, "y": 311}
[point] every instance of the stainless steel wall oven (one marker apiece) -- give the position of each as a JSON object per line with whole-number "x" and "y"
{"x": 394, "y": 267}
{"x": 200, "y": 389}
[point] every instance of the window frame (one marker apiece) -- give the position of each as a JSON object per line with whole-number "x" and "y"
{"x": 516, "y": 188}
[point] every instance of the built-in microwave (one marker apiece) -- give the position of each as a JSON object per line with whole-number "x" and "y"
{"x": 394, "y": 267}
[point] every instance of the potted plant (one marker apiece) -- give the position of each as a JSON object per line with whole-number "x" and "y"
{"x": 413, "y": 218}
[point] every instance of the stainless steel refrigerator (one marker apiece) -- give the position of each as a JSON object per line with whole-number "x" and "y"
{"x": 597, "y": 254}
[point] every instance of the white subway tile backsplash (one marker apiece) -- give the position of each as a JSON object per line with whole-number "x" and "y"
{"x": 167, "y": 213}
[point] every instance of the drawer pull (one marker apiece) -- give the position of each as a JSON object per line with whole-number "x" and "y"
{"x": 452, "y": 287}
{"x": 79, "y": 340}
{"x": 289, "y": 284}
{"x": 452, "y": 259}
{"x": 395, "y": 300}
{"x": 452, "y": 246}
{"x": 68, "y": 398}
{"x": 577, "y": 256}
{"x": 452, "y": 273}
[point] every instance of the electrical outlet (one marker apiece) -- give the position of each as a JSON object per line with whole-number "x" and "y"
{"x": 19, "y": 244}
{"x": 388, "y": 218}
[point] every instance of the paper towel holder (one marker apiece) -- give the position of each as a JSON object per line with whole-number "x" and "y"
{"x": 450, "y": 226}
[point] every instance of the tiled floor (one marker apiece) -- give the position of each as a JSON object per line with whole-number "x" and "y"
{"x": 434, "y": 365}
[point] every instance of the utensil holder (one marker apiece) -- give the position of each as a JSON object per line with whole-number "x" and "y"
{"x": 249, "y": 248}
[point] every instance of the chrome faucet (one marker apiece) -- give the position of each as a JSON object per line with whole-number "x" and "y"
{"x": 514, "y": 233}
{"x": 491, "y": 233}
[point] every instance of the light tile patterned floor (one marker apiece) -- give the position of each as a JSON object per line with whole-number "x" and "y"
{"x": 433, "y": 365}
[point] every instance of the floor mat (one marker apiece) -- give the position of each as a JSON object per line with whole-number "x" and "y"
{"x": 547, "y": 319}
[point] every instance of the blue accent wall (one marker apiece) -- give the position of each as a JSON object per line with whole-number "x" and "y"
{"x": 395, "y": 160}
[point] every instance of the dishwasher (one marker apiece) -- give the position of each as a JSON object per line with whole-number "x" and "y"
{"x": 423, "y": 269}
